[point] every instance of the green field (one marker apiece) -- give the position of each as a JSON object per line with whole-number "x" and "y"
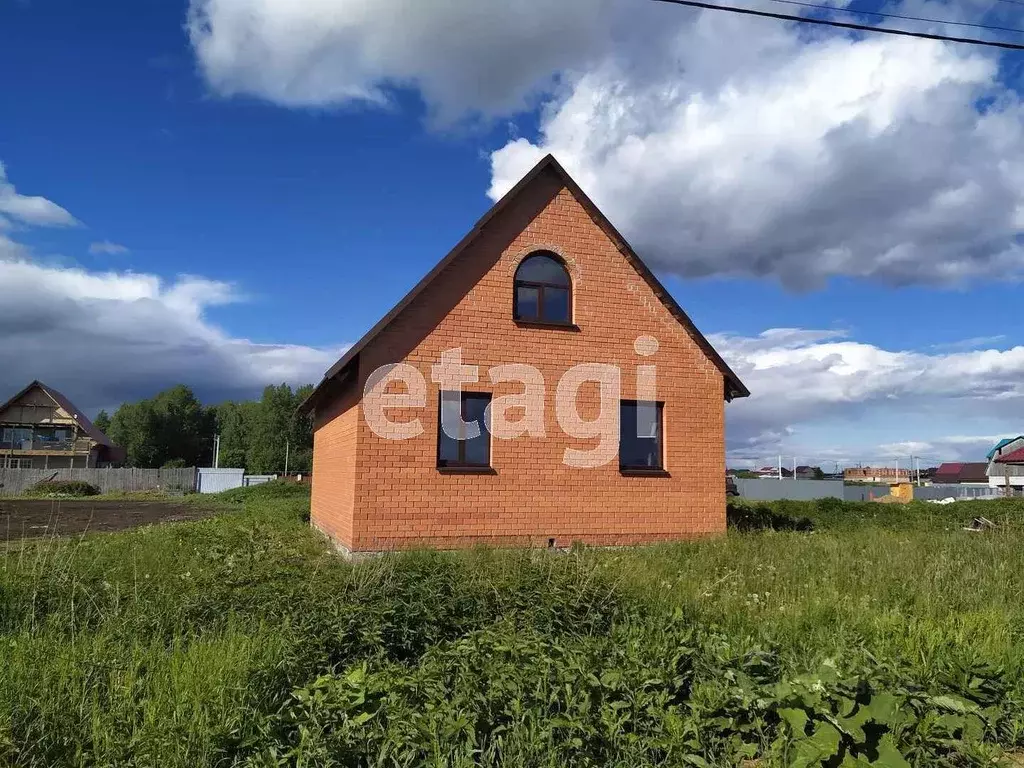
{"x": 886, "y": 636}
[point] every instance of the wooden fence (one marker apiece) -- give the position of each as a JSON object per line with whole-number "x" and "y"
{"x": 14, "y": 482}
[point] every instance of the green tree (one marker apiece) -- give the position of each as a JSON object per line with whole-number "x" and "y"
{"x": 171, "y": 427}
{"x": 174, "y": 429}
{"x": 185, "y": 428}
{"x": 102, "y": 421}
{"x": 134, "y": 427}
{"x": 301, "y": 437}
{"x": 271, "y": 429}
{"x": 232, "y": 424}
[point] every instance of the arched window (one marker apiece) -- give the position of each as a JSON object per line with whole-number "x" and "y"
{"x": 543, "y": 290}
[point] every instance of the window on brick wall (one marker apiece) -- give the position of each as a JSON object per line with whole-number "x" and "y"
{"x": 543, "y": 290}
{"x": 463, "y": 431}
{"x": 641, "y": 443}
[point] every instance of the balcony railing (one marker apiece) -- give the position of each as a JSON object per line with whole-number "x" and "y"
{"x": 56, "y": 446}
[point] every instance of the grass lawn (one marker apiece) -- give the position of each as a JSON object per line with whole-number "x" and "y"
{"x": 886, "y": 636}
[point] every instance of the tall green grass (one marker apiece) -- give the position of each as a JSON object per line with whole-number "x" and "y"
{"x": 886, "y": 635}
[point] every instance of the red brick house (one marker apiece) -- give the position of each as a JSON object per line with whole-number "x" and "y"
{"x": 542, "y": 281}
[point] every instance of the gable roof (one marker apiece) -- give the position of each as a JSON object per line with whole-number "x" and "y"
{"x": 733, "y": 386}
{"x": 87, "y": 426}
{"x": 1001, "y": 444}
{"x": 1013, "y": 457}
{"x": 974, "y": 472}
{"x": 961, "y": 472}
{"x": 950, "y": 469}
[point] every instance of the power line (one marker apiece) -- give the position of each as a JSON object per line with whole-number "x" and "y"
{"x": 845, "y": 24}
{"x": 1015, "y": 2}
{"x": 851, "y": 11}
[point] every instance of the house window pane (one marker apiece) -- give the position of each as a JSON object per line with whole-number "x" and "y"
{"x": 474, "y": 409}
{"x": 640, "y": 425}
{"x": 527, "y": 303}
{"x": 451, "y": 415}
{"x": 543, "y": 269}
{"x": 556, "y": 305}
{"x": 543, "y": 290}
{"x": 464, "y": 438}
{"x": 447, "y": 450}
{"x": 478, "y": 450}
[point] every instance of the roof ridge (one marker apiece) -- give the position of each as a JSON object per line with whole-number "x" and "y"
{"x": 734, "y": 387}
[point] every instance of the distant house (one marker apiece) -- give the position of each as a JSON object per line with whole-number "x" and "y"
{"x": 1005, "y": 445}
{"x": 773, "y": 472}
{"x": 42, "y": 429}
{"x": 961, "y": 472}
{"x": 1006, "y": 464}
{"x": 876, "y": 475}
{"x": 804, "y": 472}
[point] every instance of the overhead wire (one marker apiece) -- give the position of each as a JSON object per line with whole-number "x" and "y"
{"x": 847, "y": 25}
{"x": 926, "y": 20}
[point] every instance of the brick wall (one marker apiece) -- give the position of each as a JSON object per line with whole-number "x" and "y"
{"x": 334, "y": 467}
{"x": 401, "y": 499}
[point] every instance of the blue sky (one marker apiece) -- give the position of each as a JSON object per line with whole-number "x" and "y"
{"x": 303, "y": 182}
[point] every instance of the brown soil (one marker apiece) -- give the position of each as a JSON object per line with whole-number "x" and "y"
{"x": 22, "y": 519}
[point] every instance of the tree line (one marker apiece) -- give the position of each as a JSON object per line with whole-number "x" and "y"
{"x": 175, "y": 429}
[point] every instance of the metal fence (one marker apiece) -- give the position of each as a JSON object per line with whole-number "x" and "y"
{"x": 14, "y": 482}
{"x": 945, "y": 491}
{"x": 770, "y": 489}
{"x": 865, "y": 492}
{"x": 257, "y": 479}
{"x": 216, "y": 480}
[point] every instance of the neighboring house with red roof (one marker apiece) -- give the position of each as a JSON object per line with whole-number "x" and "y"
{"x": 1006, "y": 463}
{"x": 961, "y": 472}
{"x": 41, "y": 429}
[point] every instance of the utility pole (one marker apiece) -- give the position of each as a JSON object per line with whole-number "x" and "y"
{"x": 780, "y": 466}
{"x": 216, "y": 451}
{"x": 286, "y": 457}
{"x": 794, "y": 467}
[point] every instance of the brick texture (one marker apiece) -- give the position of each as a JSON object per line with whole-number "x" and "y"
{"x": 334, "y": 468}
{"x": 373, "y": 494}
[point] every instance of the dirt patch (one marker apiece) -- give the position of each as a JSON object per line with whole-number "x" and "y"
{"x": 23, "y": 519}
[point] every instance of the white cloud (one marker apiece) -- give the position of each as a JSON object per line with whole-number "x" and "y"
{"x": 819, "y": 394}
{"x": 460, "y": 54}
{"x": 107, "y": 337}
{"x": 32, "y": 210}
{"x": 107, "y": 248}
{"x": 720, "y": 145}
{"x": 104, "y": 337}
{"x": 959, "y": 447}
{"x": 797, "y": 159}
